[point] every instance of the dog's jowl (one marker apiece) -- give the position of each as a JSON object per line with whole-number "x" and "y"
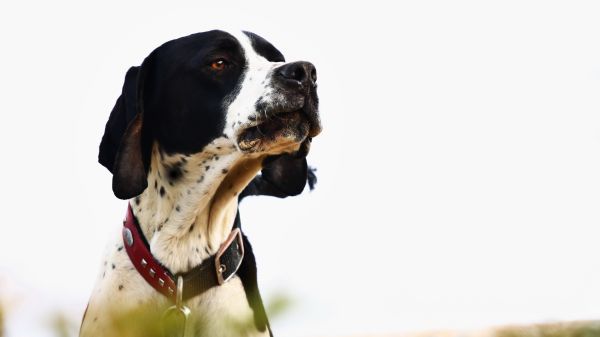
{"x": 204, "y": 121}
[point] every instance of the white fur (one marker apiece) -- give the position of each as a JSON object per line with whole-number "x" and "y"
{"x": 191, "y": 220}
{"x": 256, "y": 83}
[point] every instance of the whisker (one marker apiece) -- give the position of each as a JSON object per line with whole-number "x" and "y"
{"x": 259, "y": 131}
{"x": 264, "y": 111}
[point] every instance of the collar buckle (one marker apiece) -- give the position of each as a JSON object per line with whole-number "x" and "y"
{"x": 230, "y": 256}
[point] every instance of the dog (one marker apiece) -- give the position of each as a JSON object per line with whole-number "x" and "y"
{"x": 204, "y": 121}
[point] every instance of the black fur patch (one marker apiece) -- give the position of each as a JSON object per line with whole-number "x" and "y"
{"x": 264, "y": 48}
{"x": 174, "y": 172}
{"x": 183, "y": 95}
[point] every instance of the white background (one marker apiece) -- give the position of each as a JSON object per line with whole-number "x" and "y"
{"x": 459, "y": 168}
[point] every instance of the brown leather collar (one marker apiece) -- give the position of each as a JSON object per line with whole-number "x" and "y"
{"x": 213, "y": 271}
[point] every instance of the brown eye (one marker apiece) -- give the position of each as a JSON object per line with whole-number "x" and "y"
{"x": 218, "y": 64}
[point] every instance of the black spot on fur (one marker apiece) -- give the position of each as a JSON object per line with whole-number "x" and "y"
{"x": 113, "y": 266}
{"x": 192, "y": 227}
{"x": 137, "y": 200}
{"x": 120, "y": 248}
{"x": 162, "y": 191}
{"x": 200, "y": 179}
{"x": 207, "y": 167}
{"x": 159, "y": 228}
{"x": 177, "y": 208}
{"x": 218, "y": 147}
{"x": 120, "y": 287}
{"x": 175, "y": 172}
{"x": 224, "y": 171}
{"x": 155, "y": 184}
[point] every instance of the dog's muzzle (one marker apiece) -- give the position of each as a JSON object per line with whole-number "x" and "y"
{"x": 293, "y": 118}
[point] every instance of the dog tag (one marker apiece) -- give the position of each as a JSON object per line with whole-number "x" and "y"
{"x": 174, "y": 321}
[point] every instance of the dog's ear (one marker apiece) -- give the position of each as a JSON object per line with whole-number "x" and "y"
{"x": 121, "y": 116}
{"x": 124, "y": 149}
{"x": 286, "y": 173}
{"x": 283, "y": 176}
{"x": 290, "y": 172}
{"x": 131, "y": 167}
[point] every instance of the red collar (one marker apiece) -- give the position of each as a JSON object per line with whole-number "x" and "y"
{"x": 213, "y": 271}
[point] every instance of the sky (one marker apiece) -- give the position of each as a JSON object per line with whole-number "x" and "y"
{"x": 459, "y": 166}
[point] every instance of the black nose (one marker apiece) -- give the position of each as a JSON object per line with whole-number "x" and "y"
{"x": 303, "y": 73}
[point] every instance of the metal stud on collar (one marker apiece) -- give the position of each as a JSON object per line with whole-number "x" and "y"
{"x": 128, "y": 236}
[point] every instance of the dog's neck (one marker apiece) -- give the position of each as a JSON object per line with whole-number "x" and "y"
{"x": 190, "y": 204}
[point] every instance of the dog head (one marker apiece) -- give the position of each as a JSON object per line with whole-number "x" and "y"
{"x": 230, "y": 89}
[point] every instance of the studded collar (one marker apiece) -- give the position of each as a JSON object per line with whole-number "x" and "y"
{"x": 213, "y": 271}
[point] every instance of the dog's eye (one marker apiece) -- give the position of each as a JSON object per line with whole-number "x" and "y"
{"x": 218, "y": 64}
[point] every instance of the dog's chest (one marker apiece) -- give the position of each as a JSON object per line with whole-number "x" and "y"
{"x": 120, "y": 291}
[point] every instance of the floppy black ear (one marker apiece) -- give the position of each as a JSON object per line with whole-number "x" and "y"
{"x": 283, "y": 176}
{"x": 286, "y": 172}
{"x": 289, "y": 172}
{"x": 123, "y": 150}
{"x": 121, "y": 116}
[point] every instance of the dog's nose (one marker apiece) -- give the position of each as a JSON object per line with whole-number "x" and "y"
{"x": 303, "y": 73}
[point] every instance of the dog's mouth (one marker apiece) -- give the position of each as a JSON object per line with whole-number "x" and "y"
{"x": 279, "y": 131}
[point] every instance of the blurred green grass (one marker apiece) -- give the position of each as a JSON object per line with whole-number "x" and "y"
{"x": 572, "y": 329}
{"x": 1, "y": 320}
{"x": 148, "y": 323}
{"x": 141, "y": 321}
